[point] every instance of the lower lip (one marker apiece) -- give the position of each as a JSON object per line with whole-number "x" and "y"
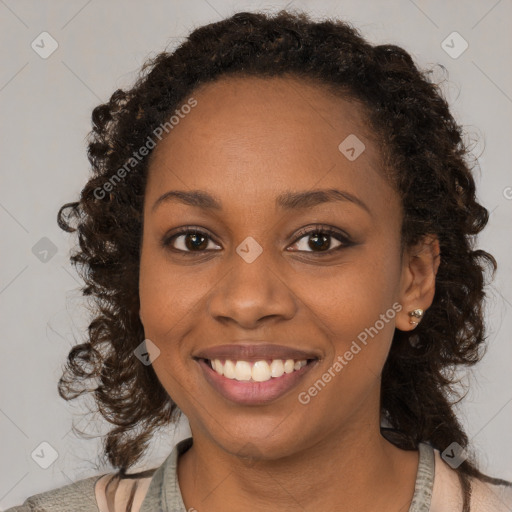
{"x": 253, "y": 393}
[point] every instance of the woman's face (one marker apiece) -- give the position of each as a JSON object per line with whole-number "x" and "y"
{"x": 257, "y": 284}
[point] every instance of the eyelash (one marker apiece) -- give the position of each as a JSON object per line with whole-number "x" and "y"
{"x": 316, "y": 230}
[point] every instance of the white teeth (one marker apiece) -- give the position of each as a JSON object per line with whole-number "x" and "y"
{"x": 242, "y": 370}
{"x": 259, "y": 371}
{"x": 229, "y": 369}
{"x": 276, "y": 368}
{"x": 289, "y": 366}
{"x": 217, "y": 366}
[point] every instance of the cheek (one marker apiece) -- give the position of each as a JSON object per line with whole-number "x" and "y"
{"x": 353, "y": 295}
{"x": 172, "y": 305}
{"x": 167, "y": 292}
{"x": 167, "y": 302}
{"x": 356, "y": 306}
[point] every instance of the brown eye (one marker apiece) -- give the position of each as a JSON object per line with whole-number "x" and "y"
{"x": 188, "y": 240}
{"x": 319, "y": 240}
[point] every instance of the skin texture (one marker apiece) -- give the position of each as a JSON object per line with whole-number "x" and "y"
{"x": 247, "y": 141}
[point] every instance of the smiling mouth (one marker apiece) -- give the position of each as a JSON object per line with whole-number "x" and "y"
{"x": 254, "y": 383}
{"x": 250, "y": 374}
{"x": 256, "y": 371}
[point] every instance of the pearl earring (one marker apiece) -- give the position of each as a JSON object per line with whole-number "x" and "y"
{"x": 415, "y": 314}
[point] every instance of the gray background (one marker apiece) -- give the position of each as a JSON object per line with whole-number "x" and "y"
{"x": 46, "y": 106}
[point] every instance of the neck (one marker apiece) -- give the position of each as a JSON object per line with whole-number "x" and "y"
{"x": 345, "y": 471}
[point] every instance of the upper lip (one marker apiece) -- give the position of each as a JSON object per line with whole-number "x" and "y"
{"x": 254, "y": 352}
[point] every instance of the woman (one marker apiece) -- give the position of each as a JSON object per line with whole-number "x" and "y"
{"x": 279, "y": 238}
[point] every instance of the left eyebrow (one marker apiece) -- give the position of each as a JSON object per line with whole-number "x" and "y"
{"x": 311, "y": 198}
{"x": 287, "y": 201}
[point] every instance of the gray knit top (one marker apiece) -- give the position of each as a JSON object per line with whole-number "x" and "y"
{"x": 164, "y": 494}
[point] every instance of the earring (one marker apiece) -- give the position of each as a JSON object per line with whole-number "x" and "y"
{"x": 415, "y": 314}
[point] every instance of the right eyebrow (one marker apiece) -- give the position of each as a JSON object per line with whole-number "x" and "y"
{"x": 192, "y": 198}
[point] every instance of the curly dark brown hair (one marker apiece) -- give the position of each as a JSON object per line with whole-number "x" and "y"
{"x": 422, "y": 146}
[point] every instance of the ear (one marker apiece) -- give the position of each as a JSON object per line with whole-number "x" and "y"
{"x": 418, "y": 280}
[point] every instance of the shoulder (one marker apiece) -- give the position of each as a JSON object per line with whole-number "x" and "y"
{"x": 78, "y": 496}
{"x": 488, "y": 497}
{"x": 128, "y": 493}
{"x": 107, "y": 492}
{"x": 485, "y": 497}
{"x": 94, "y": 494}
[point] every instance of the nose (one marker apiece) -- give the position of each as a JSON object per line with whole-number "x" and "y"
{"x": 251, "y": 292}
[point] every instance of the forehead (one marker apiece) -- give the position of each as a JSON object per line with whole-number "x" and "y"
{"x": 266, "y": 134}
{"x": 264, "y": 108}
{"x": 299, "y": 97}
